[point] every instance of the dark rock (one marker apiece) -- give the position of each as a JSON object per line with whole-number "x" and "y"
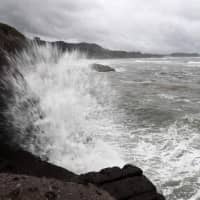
{"x": 10, "y": 32}
{"x": 102, "y": 68}
{"x": 18, "y": 161}
{"x": 148, "y": 196}
{"x": 111, "y": 174}
{"x": 30, "y": 188}
{"x": 51, "y": 195}
{"x": 129, "y": 187}
{"x": 11, "y": 40}
{"x": 125, "y": 183}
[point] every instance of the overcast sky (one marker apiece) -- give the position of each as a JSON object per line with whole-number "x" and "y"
{"x": 145, "y": 25}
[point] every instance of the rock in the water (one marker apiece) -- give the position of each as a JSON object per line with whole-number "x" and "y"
{"x": 102, "y": 68}
{"x": 21, "y": 187}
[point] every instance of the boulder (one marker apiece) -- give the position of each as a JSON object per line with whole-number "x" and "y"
{"x": 126, "y": 183}
{"x": 102, "y": 68}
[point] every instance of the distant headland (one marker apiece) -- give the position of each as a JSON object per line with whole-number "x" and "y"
{"x": 13, "y": 40}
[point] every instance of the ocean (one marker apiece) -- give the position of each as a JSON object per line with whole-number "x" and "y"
{"x": 147, "y": 113}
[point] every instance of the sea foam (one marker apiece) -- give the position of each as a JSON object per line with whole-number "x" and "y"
{"x": 71, "y": 103}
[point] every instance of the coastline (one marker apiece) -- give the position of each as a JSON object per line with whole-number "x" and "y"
{"x": 17, "y": 164}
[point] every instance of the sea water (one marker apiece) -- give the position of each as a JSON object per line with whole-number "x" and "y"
{"x": 147, "y": 113}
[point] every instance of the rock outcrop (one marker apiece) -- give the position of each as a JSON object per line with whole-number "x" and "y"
{"x": 102, "y": 68}
{"x": 17, "y": 161}
{"x": 126, "y": 183}
{"x": 11, "y": 40}
{"x": 21, "y": 187}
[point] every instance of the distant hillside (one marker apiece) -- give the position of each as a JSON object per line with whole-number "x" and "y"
{"x": 179, "y": 54}
{"x": 95, "y": 50}
{"x": 12, "y": 40}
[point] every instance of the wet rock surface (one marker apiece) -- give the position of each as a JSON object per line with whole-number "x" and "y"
{"x": 126, "y": 183}
{"x": 16, "y": 187}
{"x": 11, "y": 40}
{"x": 102, "y": 68}
{"x": 18, "y": 161}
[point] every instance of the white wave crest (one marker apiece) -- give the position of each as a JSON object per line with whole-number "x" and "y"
{"x": 73, "y": 101}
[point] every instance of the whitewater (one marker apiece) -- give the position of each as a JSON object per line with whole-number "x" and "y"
{"x": 146, "y": 113}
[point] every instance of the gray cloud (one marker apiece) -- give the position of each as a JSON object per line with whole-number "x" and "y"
{"x": 146, "y": 25}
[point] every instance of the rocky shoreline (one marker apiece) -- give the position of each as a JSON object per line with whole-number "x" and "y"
{"x": 24, "y": 176}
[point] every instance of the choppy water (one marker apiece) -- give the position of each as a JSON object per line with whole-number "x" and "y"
{"x": 159, "y": 106}
{"x": 147, "y": 113}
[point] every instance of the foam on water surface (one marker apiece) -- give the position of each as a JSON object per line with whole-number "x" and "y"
{"x": 73, "y": 101}
{"x": 84, "y": 120}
